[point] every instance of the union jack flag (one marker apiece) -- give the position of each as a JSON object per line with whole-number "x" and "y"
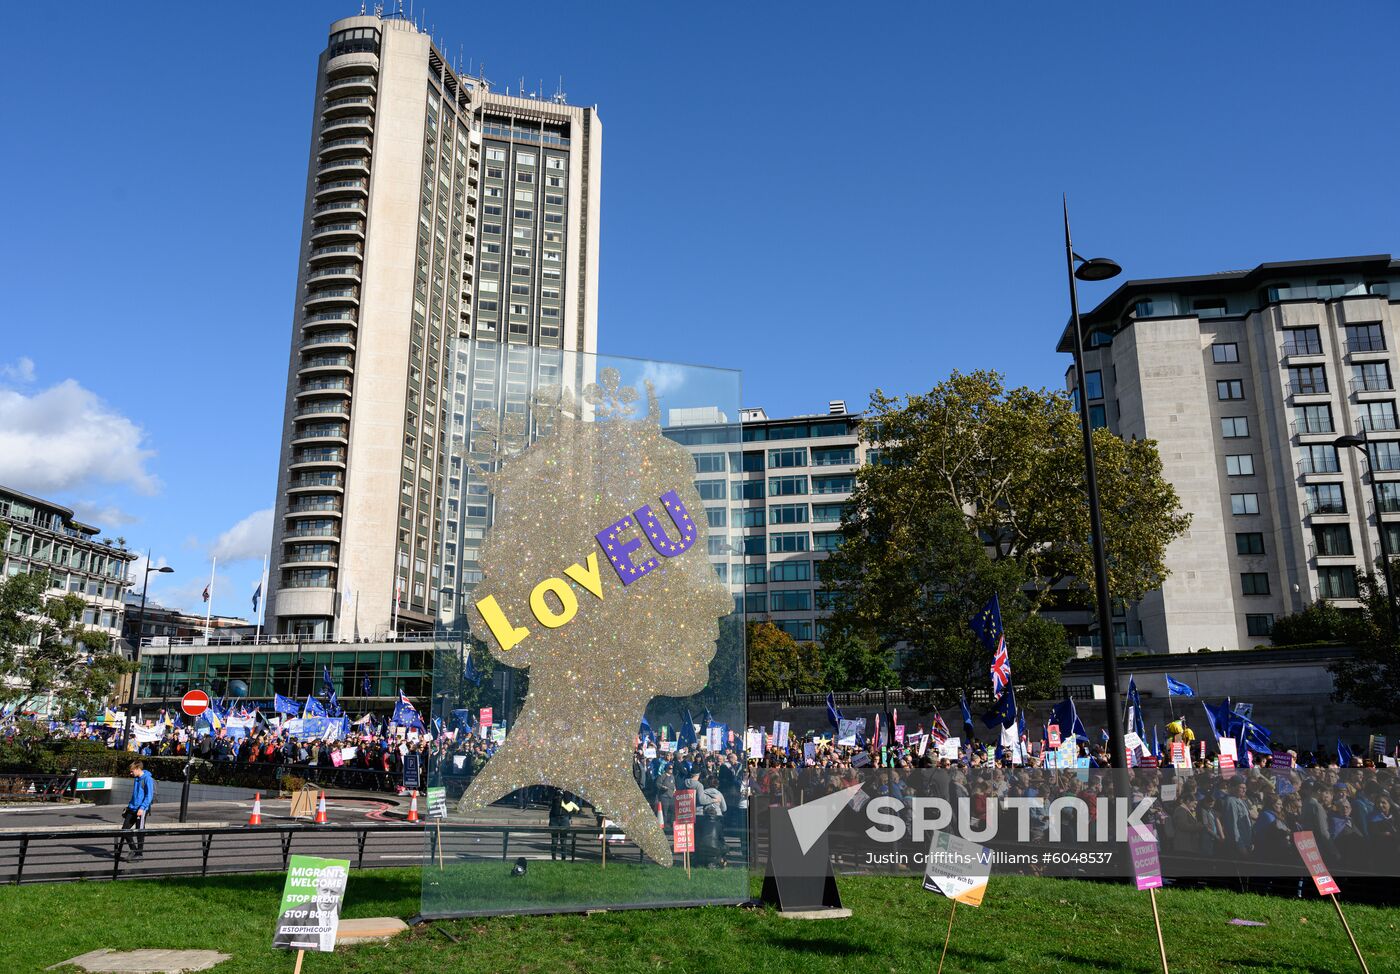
{"x": 940, "y": 730}
{"x": 1001, "y": 668}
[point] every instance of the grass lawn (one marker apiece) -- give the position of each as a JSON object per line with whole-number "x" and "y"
{"x": 1025, "y": 926}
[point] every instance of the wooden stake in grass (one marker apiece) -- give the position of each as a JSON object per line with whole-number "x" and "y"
{"x": 300, "y": 955}
{"x": 948, "y": 937}
{"x": 439, "y": 844}
{"x": 1161, "y": 944}
{"x": 1347, "y": 927}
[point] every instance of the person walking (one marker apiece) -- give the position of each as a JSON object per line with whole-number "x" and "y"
{"x": 138, "y": 810}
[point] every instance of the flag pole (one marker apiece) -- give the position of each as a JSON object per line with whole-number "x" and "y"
{"x": 1161, "y": 944}
{"x": 1347, "y": 927}
{"x": 209, "y": 602}
{"x": 948, "y": 937}
{"x": 262, "y": 602}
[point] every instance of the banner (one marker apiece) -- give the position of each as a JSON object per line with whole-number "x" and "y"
{"x": 685, "y": 806}
{"x": 310, "y": 912}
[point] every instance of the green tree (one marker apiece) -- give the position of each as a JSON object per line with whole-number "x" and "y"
{"x": 1323, "y": 622}
{"x": 855, "y": 661}
{"x": 1012, "y": 461}
{"x": 1371, "y": 678}
{"x": 46, "y": 652}
{"x": 913, "y": 576}
{"x": 779, "y": 664}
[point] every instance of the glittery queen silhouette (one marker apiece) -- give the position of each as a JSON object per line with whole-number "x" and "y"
{"x": 599, "y": 644}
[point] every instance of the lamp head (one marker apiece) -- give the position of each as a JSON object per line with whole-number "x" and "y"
{"x": 1097, "y": 269}
{"x": 1352, "y": 440}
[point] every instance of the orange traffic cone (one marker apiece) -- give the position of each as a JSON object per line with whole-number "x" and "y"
{"x": 413, "y": 808}
{"x": 660, "y": 816}
{"x": 256, "y": 817}
{"x": 320, "y": 818}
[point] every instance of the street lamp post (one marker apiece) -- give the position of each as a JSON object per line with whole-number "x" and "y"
{"x": 1363, "y": 443}
{"x": 136, "y": 646}
{"x": 1095, "y": 269}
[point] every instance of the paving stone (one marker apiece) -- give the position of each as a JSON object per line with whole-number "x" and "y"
{"x": 368, "y": 929}
{"x": 108, "y": 961}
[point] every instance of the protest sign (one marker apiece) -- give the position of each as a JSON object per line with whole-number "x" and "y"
{"x": 1169, "y": 792}
{"x": 1375, "y": 744}
{"x": 753, "y": 743}
{"x": 1147, "y": 865}
{"x": 683, "y": 837}
{"x": 949, "y": 749}
{"x": 649, "y": 752}
{"x": 714, "y": 738}
{"x": 1053, "y": 734}
{"x": 809, "y": 751}
{"x": 685, "y": 806}
{"x": 1131, "y": 741}
{"x": 847, "y": 731}
{"x": 310, "y": 911}
{"x": 781, "y": 728}
{"x": 437, "y": 802}
{"x": 957, "y": 868}
{"x": 1179, "y": 757}
{"x": 1306, "y": 843}
{"x": 486, "y": 716}
{"x": 1069, "y": 753}
{"x": 899, "y": 733}
{"x": 668, "y": 747}
{"x": 861, "y": 760}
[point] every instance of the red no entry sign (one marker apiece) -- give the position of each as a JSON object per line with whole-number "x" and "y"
{"x": 195, "y": 702}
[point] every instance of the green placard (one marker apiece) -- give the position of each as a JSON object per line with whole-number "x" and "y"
{"x": 437, "y": 802}
{"x": 310, "y": 911}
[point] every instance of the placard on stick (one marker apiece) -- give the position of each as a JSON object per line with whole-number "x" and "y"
{"x": 309, "y": 914}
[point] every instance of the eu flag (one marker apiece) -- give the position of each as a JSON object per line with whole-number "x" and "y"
{"x": 987, "y": 625}
{"x": 313, "y": 708}
{"x": 968, "y": 730}
{"x": 1344, "y": 754}
{"x": 1135, "y": 704}
{"x": 833, "y": 715}
{"x": 685, "y": 736}
{"x": 1003, "y": 713}
{"x": 1175, "y": 688}
{"x": 1067, "y": 717}
{"x": 285, "y": 705}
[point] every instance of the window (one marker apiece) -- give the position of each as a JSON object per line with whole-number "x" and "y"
{"x": 828, "y": 513}
{"x": 787, "y": 514}
{"x": 834, "y": 485}
{"x": 787, "y": 541}
{"x": 1254, "y": 583}
{"x": 717, "y": 517}
{"x": 826, "y": 541}
{"x": 1251, "y": 543}
{"x": 749, "y": 517}
{"x": 710, "y": 490}
{"x": 753, "y": 545}
{"x": 791, "y": 571}
{"x": 1229, "y": 389}
{"x": 786, "y": 486}
{"x": 1312, "y": 419}
{"x": 1384, "y": 455}
{"x": 1225, "y": 352}
{"x": 1332, "y": 540}
{"x": 1302, "y": 341}
{"x": 799, "y": 600}
{"x": 789, "y": 457}
{"x": 1259, "y": 624}
{"x": 1234, "y": 427}
{"x": 1098, "y": 417}
{"x": 799, "y": 629}
{"x": 1365, "y": 338}
{"x": 1318, "y": 458}
{"x": 1093, "y": 385}
{"x": 1389, "y": 491}
{"x": 755, "y": 602}
{"x": 1244, "y": 503}
{"x": 1307, "y": 380}
{"x": 1325, "y": 499}
{"x": 746, "y": 490}
{"x": 753, "y": 463}
{"x": 709, "y": 463}
{"x": 1337, "y": 582}
{"x": 1377, "y": 415}
{"x": 833, "y": 456}
{"x": 1371, "y": 377}
{"x": 755, "y": 574}
{"x": 1239, "y": 465}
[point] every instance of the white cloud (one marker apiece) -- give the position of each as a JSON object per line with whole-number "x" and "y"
{"x": 250, "y": 538}
{"x": 665, "y": 377}
{"x": 21, "y": 371}
{"x": 65, "y": 437}
{"x": 106, "y": 517}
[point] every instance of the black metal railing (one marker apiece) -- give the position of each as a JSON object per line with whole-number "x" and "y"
{"x": 22, "y": 786}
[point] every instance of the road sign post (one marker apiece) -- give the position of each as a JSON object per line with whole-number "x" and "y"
{"x": 194, "y": 703}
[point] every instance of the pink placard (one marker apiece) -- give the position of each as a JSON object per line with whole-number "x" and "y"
{"x": 1147, "y": 865}
{"x": 1306, "y": 844}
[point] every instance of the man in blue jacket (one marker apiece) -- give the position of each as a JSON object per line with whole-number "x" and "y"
{"x": 138, "y": 810}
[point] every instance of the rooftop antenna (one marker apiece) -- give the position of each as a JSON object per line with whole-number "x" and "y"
{"x": 559, "y": 96}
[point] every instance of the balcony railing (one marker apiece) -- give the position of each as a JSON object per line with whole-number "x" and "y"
{"x": 311, "y": 508}
{"x": 331, "y": 407}
{"x": 325, "y": 361}
{"x": 354, "y": 142}
{"x": 316, "y": 385}
{"x": 325, "y": 432}
{"x": 329, "y": 338}
{"x": 342, "y": 184}
{"x": 1374, "y": 383}
{"x": 1318, "y": 465}
{"x": 1314, "y": 506}
{"x": 1310, "y": 427}
{"x": 318, "y": 456}
{"x": 327, "y": 532}
{"x": 340, "y": 270}
{"x": 317, "y": 480}
{"x": 1389, "y": 505}
{"x": 1306, "y": 388}
{"x": 1296, "y": 347}
{"x": 352, "y": 100}
{"x": 1369, "y": 343}
{"x": 1323, "y": 292}
{"x": 1384, "y": 461}
{"x": 330, "y": 228}
{"x": 334, "y": 293}
{"x": 314, "y": 556}
{"x": 1375, "y": 423}
{"x": 331, "y": 250}
{"x": 1328, "y": 551}
{"x": 344, "y": 316}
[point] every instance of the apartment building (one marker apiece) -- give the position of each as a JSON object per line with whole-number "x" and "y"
{"x": 449, "y": 256}
{"x": 46, "y": 537}
{"x": 774, "y": 501}
{"x": 1246, "y": 379}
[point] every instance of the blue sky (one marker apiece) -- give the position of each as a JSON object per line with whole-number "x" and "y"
{"x": 829, "y": 197}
